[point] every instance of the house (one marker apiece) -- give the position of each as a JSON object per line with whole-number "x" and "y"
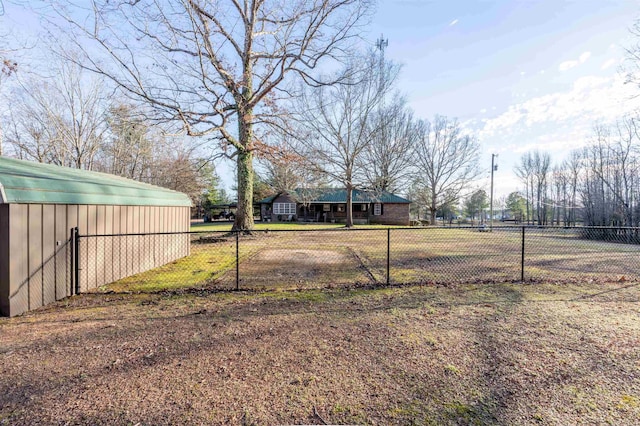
{"x": 330, "y": 205}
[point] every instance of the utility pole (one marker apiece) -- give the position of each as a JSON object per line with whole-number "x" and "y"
{"x": 494, "y": 167}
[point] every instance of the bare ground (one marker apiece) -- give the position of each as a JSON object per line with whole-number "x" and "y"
{"x": 499, "y": 354}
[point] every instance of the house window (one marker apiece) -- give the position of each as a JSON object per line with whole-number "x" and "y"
{"x": 340, "y": 207}
{"x": 377, "y": 209}
{"x": 326, "y": 207}
{"x": 364, "y": 207}
{"x": 284, "y": 208}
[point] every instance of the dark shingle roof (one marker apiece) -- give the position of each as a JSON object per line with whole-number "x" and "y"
{"x": 336, "y": 195}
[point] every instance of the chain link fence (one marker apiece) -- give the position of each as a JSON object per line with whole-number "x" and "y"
{"x": 301, "y": 259}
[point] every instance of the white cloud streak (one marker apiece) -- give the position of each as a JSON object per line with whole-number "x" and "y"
{"x": 583, "y": 58}
{"x": 452, "y": 23}
{"x": 567, "y": 65}
{"x": 591, "y": 99}
{"x": 608, "y": 64}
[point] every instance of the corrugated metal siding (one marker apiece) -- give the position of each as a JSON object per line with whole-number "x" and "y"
{"x": 4, "y": 258}
{"x": 35, "y": 255}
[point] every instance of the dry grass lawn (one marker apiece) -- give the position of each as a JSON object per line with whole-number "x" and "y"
{"x": 503, "y": 354}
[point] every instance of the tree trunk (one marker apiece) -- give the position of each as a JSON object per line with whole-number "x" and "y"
{"x": 244, "y": 213}
{"x": 433, "y": 208}
{"x": 349, "y": 223}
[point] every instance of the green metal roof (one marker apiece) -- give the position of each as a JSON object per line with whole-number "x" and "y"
{"x": 26, "y": 182}
{"x": 334, "y": 195}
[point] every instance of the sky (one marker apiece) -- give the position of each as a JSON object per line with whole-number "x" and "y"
{"x": 518, "y": 75}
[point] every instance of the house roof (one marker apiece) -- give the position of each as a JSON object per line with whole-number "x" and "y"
{"x": 26, "y": 182}
{"x": 336, "y": 195}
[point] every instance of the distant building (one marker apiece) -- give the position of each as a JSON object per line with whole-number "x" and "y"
{"x": 330, "y": 205}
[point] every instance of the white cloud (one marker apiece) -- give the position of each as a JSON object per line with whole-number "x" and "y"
{"x": 452, "y": 23}
{"x": 483, "y": 110}
{"x": 523, "y": 72}
{"x": 590, "y": 99}
{"x": 608, "y": 64}
{"x": 566, "y": 65}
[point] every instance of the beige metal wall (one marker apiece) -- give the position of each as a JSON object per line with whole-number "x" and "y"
{"x": 4, "y": 259}
{"x": 35, "y": 259}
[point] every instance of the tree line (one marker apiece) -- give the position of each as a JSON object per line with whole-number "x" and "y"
{"x": 72, "y": 120}
{"x": 285, "y": 84}
{"x": 597, "y": 185}
{"x": 361, "y": 134}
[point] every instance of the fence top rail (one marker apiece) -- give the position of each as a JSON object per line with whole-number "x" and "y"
{"x": 378, "y": 229}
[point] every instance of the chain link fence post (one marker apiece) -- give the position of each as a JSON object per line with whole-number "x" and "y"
{"x": 522, "y": 257}
{"x": 237, "y": 260}
{"x": 76, "y": 260}
{"x": 72, "y": 261}
{"x": 388, "y": 256}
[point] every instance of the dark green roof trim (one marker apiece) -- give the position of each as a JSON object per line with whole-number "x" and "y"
{"x": 336, "y": 195}
{"x": 268, "y": 200}
{"x": 26, "y": 182}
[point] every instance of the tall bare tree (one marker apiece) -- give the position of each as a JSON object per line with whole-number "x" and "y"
{"x": 524, "y": 171}
{"x": 336, "y": 123}
{"x": 388, "y": 157}
{"x": 610, "y": 185}
{"x": 59, "y": 120}
{"x": 541, "y": 170}
{"x": 446, "y": 161}
{"x": 631, "y": 65}
{"x": 130, "y": 146}
{"x": 217, "y": 67}
{"x": 8, "y": 67}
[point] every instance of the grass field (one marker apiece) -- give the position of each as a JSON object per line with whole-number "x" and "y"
{"x": 296, "y": 256}
{"x": 496, "y": 354}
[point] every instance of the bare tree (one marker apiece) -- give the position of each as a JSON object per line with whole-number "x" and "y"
{"x": 631, "y": 66}
{"x": 128, "y": 149}
{"x": 572, "y": 167}
{"x": 540, "y": 174}
{"x": 446, "y": 161}
{"x": 217, "y": 67}
{"x": 336, "y": 124}
{"x": 524, "y": 170}
{"x": 610, "y": 190}
{"x": 8, "y": 67}
{"x": 388, "y": 157}
{"x": 283, "y": 167}
{"x": 181, "y": 171}
{"x": 59, "y": 120}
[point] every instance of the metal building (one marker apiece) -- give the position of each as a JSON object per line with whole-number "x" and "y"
{"x": 41, "y": 204}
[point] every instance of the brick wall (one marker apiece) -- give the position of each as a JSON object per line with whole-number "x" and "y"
{"x": 393, "y": 214}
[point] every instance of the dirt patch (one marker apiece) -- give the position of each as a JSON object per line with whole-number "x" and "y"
{"x": 308, "y": 257}
{"x": 506, "y": 353}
